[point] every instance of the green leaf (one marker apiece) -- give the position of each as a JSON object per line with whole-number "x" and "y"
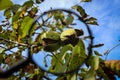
{"x": 80, "y": 10}
{"x": 91, "y": 19}
{"x": 15, "y": 8}
{"x": 78, "y": 56}
{"x": 16, "y": 17}
{"x": 57, "y": 64}
{"x": 69, "y": 19}
{"x": 1, "y": 58}
{"x": 97, "y": 53}
{"x": 95, "y": 63}
{"x": 1, "y": 50}
{"x": 73, "y": 77}
{"x": 33, "y": 11}
{"x": 25, "y": 26}
{"x": 66, "y": 48}
{"x": 5, "y": 4}
{"x": 97, "y": 45}
{"x": 101, "y": 72}
{"x": 15, "y": 25}
{"x": 20, "y": 12}
{"x": 86, "y": 0}
{"x": 92, "y": 22}
{"x": 28, "y": 4}
{"x": 7, "y": 13}
{"x": 58, "y": 15}
{"x": 90, "y": 75}
{"x": 0, "y": 28}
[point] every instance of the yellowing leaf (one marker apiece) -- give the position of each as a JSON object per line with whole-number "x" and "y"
{"x": 15, "y": 25}
{"x": 4, "y": 4}
{"x": 25, "y": 26}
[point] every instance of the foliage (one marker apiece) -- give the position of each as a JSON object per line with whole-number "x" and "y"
{"x": 65, "y": 56}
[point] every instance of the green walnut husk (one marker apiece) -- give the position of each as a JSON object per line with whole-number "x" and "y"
{"x": 64, "y": 35}
{"x": 51, "y": 35}
{"x": 51, "y": 47}
{"x": 70, "y": 36}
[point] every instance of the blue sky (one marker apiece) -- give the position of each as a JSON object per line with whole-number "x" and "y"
{"x": 107, "y": 13}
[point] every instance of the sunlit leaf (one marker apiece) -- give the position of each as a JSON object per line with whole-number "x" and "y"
{"x": 4, "y": 4}
{"x": 25, "y": 26}
{"x": 95, "y": 63}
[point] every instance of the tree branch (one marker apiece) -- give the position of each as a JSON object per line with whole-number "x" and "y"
{"x": 21, "y": 44}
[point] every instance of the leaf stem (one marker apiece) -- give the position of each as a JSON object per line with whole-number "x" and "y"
{"x": 108, "y": 51}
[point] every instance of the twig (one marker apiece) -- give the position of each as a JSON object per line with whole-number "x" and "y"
{"x": 108, "y": 51}
{"x": 6, "y": 49}
{"x": 22, "y": 44}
